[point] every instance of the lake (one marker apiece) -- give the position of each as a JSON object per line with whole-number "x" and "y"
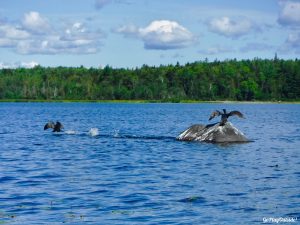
{"x": 135, "y": 171}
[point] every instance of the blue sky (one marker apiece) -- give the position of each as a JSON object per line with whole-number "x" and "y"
{"x": 130, "y": 33}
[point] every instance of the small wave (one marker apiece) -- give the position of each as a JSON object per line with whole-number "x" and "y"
{"x": 7, "y": 132}
{"x": 245, "y": 209}
{"x": 38, "y": 144}
{"x": 7, "y": 179}
{"x": 94, "y": 132}
{"x": 236, "y": 194}
{"x": 193, "y": 199}
{"x": 70, "y": 132}
{"x": 141, "y": 137}
{"x": 294, "y": 215}
{"x": 126, "y": 136}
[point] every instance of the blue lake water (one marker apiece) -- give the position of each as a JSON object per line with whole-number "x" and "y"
{"x": 135, "y": 172}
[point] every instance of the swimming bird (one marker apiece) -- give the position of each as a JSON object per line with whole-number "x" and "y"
{"x": 224, "y": 115}
{"x": 56, "y": 127}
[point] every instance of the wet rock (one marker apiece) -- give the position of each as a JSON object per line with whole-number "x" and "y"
{"x": 213, "y": 133}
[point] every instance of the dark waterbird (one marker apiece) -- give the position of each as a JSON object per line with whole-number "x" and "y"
{"x": 55, "y": 126}
{"x": 224, "y": 115}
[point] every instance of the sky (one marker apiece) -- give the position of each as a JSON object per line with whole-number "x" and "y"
{"x": 130, "y": 33}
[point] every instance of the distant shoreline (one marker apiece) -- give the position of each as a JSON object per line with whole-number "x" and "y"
{"x": 146, "y": 101}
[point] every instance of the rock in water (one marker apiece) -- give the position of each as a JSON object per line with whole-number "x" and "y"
{"x": 213, "y": 133}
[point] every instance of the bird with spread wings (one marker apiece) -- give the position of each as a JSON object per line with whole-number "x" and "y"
{"x": 224, "y": 115}
{"x": 55, "y": 126}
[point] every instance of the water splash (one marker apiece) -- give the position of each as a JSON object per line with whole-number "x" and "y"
{"x": 70, "y": 132}
{"x": 116, "y": 133}
{"x": 94, "y": 132}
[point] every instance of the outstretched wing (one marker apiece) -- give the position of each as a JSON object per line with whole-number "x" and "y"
{"x": 236, "y": 113}
{"x": 49, "y": 125}
{"x": 58, "y": 126}
{"x": 214, "y": 114}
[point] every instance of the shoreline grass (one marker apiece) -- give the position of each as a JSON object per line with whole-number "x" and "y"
{"x": 147, "y": 101}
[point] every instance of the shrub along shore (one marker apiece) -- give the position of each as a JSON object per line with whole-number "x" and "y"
{"x": 144, "y": 101}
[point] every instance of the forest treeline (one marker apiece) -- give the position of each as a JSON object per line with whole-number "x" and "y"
{"x": 244, "y": 80}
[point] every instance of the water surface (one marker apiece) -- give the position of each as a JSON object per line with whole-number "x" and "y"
{"x": 135, "y": 172}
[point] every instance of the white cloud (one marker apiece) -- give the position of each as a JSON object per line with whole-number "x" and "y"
{"x": 5, "y": 65}
{"x": 36, "y": 36}
{"x": 75, "y": 28}
{"x": 292, "y": 44}
{"x": 10, "y": 35}
{"x": 59, "y": 45}
{"x": 80, "y": 34}
{"x": 128, "y": 30}
{"x": 7, "y": 43}
{"x": 34, "y": 22}
{"x": 164, "y": 34}
{"x": 294, "y": 39}
{"x": 160, "y": 34}
{"x": 12, "y": 32}
{"x": 289, "y": 13}
{"x": 31, "y": 64}
{"x": 231, "y": 28}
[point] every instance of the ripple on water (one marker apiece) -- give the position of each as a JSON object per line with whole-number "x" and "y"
{"x": 135, "y": 172}
{"x": 236, "y": 194}
{"x": 6, "y": 179}
{"x": 194, "y": 200}
{"x": 134, "y": 198}
{"x": 29, "y": 183}
{"x": 295, "y": 215}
